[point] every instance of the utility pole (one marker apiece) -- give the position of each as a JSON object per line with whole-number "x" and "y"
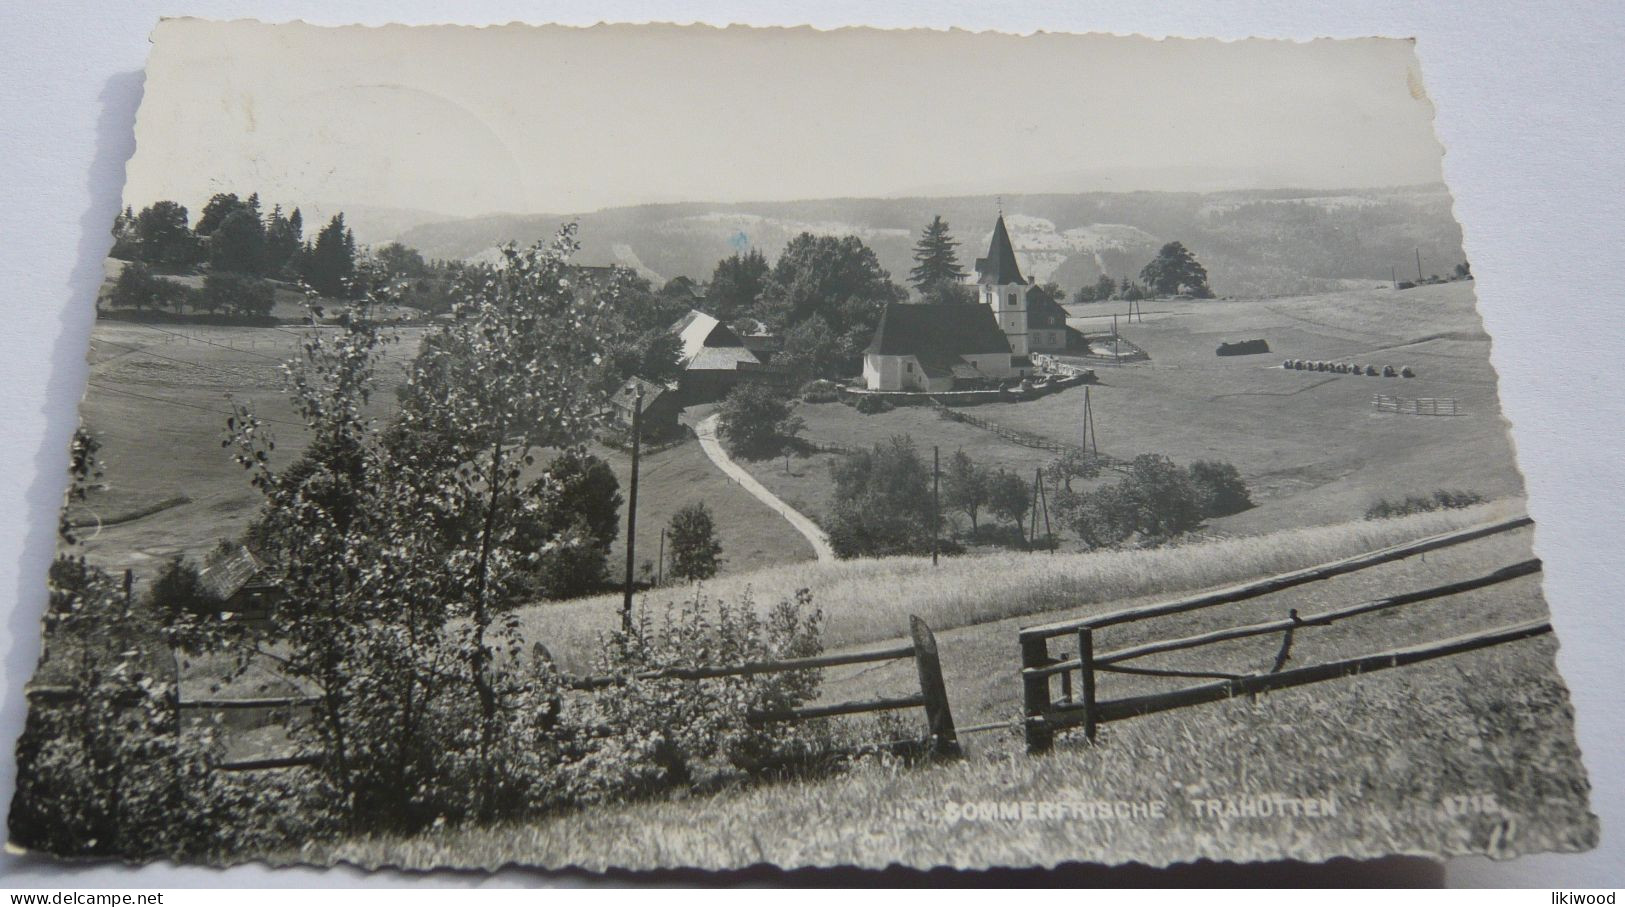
{"x": 1418, "y": 264}
{"x": 632, "y": 512}
{"x": 1044, "y": 498}
{"x": 660, "y": 565}
{"x": 1393, "y": 274}
{"x": 1032, "y": 521}
{"x": 936, "y": 500}
{"x": 1089, "y": 424}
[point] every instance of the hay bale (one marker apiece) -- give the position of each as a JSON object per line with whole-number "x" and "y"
{"x": 1286, "y": 363}
{"x": 1297, "y": 364}
{"x": 1342, "y": 368}
{"x": 1389, "y": 371}
{"x": 1407, "y": 372}
{"x": 1243, "y": 348}
{"x": 1371, "y": 370}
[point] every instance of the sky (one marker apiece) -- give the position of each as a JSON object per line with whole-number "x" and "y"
{"x": 463, "y": 121}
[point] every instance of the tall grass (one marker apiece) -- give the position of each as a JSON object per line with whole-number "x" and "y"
{"x": 865, "y": 601}
{"x": 1388, "y": 749}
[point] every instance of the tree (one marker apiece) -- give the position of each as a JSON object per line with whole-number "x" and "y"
{"x": 695, "y": 551}
{"x": 1075, "y": 463}
{"x": 238, "y": 244}
{"x": 1164, "y": 500}
{"x": 737, "y": 284}
{"x": 936, "y": 262}
{"x": 125, "y": 245}
{"x": 238, "y": 294}
{"x": 1099, "y": 291}
{"x": 401, "y": 262}
{"x": 756, "y": 422}
{"x": 220, "y": 206}
{"x": 1220, "y": 490}
{"x": 882, "y": 502}
{"x": 838, "y": 278}
{"x": 179, "y": 589}
{"x": 1175, "y": 269}
{"x": 1009, "y": 498}
{"x": 163, "y": 237}
{"x": 948, "y": 292}
{"x": 284, "y": 238}
{"x": 329, "y": 263}
{"x": 811, "y": 350}
{"x": 136, "y": 288}
{"x": 965, "y": 487}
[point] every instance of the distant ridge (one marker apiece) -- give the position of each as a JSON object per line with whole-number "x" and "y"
{"x": 1253, "y": 242}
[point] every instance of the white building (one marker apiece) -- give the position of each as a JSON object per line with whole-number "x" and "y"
{"x": 933, "y": 347}
{"x": 1004, "y": 291}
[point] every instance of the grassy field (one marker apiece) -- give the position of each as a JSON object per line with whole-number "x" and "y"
{"x": 1386, "y": 750}
{"x": 158, "y": 400}
{"x": 1308, "y": 444}
{"x": 866, "y": 601}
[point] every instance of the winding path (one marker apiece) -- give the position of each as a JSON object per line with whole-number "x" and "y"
{"x": 706, "y": 430}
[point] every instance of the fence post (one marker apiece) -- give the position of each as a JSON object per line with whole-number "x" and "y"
{"x": 944, "y": 742}
{"x": 1035, "y": 696}
{"x": 1086, "y": 676}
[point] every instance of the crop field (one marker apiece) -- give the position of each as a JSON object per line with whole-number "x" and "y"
{"x": 1308, "y": 444}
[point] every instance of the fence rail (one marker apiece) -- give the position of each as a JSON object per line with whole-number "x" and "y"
{"x": 1420, "y": 406}
{"x": 1043, "y": 716}
{"x": 932, "y": 697}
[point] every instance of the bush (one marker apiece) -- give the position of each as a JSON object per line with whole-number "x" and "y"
{"x": 1157, "y": 501}
{"x": 871, "y": 404}
{"x": 1219, "y": 488}
{"x": 664, "y": 734}
{"x": 1442, "y": 499}
{"x": 820, "y": 390}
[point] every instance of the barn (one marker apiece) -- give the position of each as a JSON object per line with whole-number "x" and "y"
{"x": 711, "y": 356}
{"x": 660, "y": 407}
{"x": 236, "y": 579}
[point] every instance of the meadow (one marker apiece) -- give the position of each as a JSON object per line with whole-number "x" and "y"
{"x": 1308, "y": 444}
{"x": 1470, "y": 754}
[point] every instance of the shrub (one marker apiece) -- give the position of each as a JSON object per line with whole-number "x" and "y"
{"x": 1442, "y": 499}
{"x": 664, "y": 734}
{"x": 179, "y": 590}
{"x": 820, "y": 390}
{"x": 871, "y": 404}
{"x": 1219, "y": 488}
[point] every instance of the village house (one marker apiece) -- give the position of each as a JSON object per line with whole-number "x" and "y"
{"x": 238, "y": 582}
{"x": 660, "y": 407}
{"x": 712, "y": 357}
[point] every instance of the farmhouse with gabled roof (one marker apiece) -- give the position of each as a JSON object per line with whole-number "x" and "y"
{"x": 712, "y": 356}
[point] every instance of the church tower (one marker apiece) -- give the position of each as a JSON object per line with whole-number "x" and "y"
{"x": 1003, "y": 289}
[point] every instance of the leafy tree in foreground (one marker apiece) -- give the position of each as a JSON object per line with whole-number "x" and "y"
{"x": 936, "y": 263}
{"x": 695, "y": 551}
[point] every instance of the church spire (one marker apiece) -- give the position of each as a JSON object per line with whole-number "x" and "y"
{"x": 999, "y": 267}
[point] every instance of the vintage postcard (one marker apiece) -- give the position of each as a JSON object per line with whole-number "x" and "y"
{"x": 656, "y": 446}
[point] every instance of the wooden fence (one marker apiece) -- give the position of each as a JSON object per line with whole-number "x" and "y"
{"x": 1422, "y": 406}
{"x": 942, "y": 739}
{"x": 1021, "y": 438}
{"x": 932, "y": 697}
{"x": 1043, "y": 715}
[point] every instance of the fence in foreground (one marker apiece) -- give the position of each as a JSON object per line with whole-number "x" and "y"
{"x": 1044, "y": 715}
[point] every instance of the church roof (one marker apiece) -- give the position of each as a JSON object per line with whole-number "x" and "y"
{"x": 937, "y": 333}
{"x": 999, "y": 267}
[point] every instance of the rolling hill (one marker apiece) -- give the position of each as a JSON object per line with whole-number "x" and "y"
{"x": 1256, "y": 242}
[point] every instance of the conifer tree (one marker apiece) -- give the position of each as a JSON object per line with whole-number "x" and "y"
{"x": 937, "y": 263}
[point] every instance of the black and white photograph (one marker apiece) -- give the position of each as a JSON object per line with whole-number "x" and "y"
{"x": 666, "y": 447}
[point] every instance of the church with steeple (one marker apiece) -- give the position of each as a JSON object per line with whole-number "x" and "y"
{"x": 936, "y": 347}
